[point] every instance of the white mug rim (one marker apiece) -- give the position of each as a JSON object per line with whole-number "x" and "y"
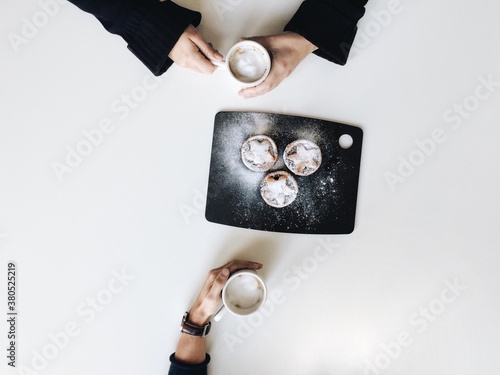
{"x": 257, "y": 307}
{"x": 265, "y": 53}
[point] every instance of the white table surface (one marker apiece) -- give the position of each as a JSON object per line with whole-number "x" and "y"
{"x": 413, "y": 290}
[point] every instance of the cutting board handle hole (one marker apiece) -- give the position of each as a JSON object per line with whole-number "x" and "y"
{"x": 345, "y": 141}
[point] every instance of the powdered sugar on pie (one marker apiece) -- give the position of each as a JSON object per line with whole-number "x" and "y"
{"x": 279, "y": 189}
{"x": 259, "y": 153}
{"x": 302, "y": 157}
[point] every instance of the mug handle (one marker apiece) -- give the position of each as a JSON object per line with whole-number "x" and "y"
{"x": 220, "y": 64}
{"x": 219, "y": 313}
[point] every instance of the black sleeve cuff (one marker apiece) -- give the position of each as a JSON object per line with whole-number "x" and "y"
{"x": 329, "y": 29}
{"x": 179, "y": 368}
{"x": 152, "y": 30}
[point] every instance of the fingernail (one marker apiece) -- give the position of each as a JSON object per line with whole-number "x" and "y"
{"x": 225, "y": 272}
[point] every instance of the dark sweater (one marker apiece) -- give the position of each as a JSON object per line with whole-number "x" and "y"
{"x": 179, "y": 368}
{"x": 151, "y": 28}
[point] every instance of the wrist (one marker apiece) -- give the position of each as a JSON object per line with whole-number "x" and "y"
{"x": 198, "y": 317}
{"x": 305, "y": 45}
{"x": 192, "y": 329}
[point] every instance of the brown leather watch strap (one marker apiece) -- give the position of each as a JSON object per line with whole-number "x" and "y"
{"x": 193, "y": 329}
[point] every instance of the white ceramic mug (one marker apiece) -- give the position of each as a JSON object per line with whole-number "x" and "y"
{"x": 247, "y": 62}
{"x": 244, "y": 293}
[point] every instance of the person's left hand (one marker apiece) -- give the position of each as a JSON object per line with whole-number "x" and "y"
{"x": 210, "y": 297}
{"x": 287, "y": 50}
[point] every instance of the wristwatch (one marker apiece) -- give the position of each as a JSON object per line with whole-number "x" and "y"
{"x": 193, "y": 329}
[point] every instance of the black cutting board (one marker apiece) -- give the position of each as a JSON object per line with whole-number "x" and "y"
{"x": 326, "y": 202}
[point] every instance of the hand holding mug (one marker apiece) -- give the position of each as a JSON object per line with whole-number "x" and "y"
{"x": 248, "y": 63}
{"x": 287, "y": 50}
{"x": 243, "y": 294}
{"x": 192, "y": 349}
{"x": 209, "y": 299}
{"x": 193, "y": 52}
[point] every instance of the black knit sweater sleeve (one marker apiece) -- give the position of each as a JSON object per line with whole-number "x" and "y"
{"x": 150, "y": 27}
{"x": 330, "y": 25}
{"x": 179, "y": 368}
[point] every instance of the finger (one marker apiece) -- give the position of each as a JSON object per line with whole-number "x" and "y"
{"x": 217, "y": 55}
{"x": 212, "y": 276}
{"x": 206, "y": 48}
{"x": 218, "y": 284}
{"x": 195, "y": 68}
{"x": 262, "y": 40}
{"x": 238, "y": 264}
{"x": 258, "y": 90}
{"x": 254, "y": 38}
{"x": 201, "y": 64}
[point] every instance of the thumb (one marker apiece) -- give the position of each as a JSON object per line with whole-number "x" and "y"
{"x": 264, "y": 41}
{"x": 254, "y": 38}
{"x": 219, "y": 282}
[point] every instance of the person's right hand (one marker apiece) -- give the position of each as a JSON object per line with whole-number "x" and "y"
{"x": 287, "y": 50}
{"x": 193, "y": 52}
{"x": 210, "y": 297}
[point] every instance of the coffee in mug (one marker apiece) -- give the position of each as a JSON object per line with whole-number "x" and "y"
{"x": 244, "y": 293}
{"x": 247, "y": 62}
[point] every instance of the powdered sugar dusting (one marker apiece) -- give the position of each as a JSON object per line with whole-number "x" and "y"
{"x": 324, "y": 199}
{"x": 302, "y": 157}
{"x": 259, "y": 153}
{"x": 279, "y": 189}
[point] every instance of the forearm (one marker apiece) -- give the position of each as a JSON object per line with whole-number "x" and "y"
{"x": 192, "y": 349}
{"x": 190, "y": 356}
{"x": 150, "y": 27}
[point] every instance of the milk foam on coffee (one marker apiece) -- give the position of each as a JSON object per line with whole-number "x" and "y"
{"x": 244, "y": 291}
{"x": 248, "y": 64}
